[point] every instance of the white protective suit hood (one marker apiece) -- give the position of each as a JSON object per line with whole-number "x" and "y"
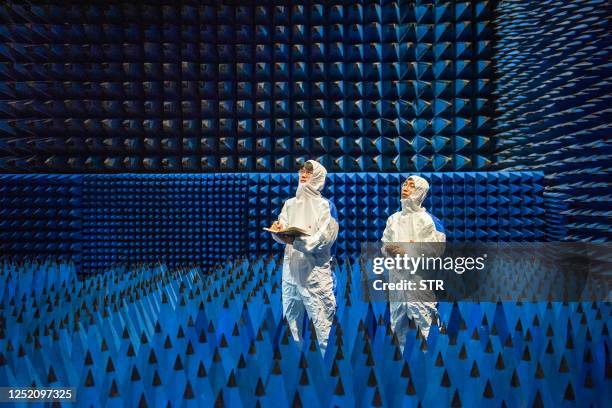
{"x": 413, "y": 202}
{"x": 308, "y": 199}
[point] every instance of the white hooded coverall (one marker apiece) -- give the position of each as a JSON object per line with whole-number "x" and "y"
{"x": 307, "y": 280}
{"x": 413, "y": 223}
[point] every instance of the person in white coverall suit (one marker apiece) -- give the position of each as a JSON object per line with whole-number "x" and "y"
{"x": 307, "y": 279}
{"x": 413, "y": 224}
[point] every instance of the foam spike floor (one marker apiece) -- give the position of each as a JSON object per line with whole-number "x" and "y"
{"x": 150, "y": 336}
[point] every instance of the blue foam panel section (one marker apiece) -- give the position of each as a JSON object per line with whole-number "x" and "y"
{"x": 484, "y": 206}
{"x": 191, "y": 339}
{"x": 203, "y": 218}
{"x": 363, "y": 86}
{"x": 553, "y": 97}
{"x": 40, "y": 214}
{"x": 174, "y": 219}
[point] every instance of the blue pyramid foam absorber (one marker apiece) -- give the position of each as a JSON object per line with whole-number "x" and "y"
{"x": 573, "y": 109}
{"x": 221, "y": 338}
{"x": 250, "y": 75}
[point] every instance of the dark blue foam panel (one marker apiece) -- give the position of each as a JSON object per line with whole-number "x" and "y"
{"x": 40, "y": 215}
{"x": 220, "y": 340}
{"x": 472, "y": 206}
{"x": 553, "y": 99}
{"x": 204, "y": 218}
{"x": 203, "y": 86}
{"x": 173, "y": 219}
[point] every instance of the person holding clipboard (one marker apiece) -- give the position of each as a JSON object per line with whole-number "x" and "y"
{"x": 308, "y": 226}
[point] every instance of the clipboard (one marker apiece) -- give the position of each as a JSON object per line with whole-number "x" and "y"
{"x": 289, "y": 231}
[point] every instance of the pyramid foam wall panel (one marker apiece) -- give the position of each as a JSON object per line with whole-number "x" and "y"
{"x": 174, "y": 219}
{"x": 205, "y": 86}
{"x": 472, "y": 206}
{"x": 202, "y": 218}
{"x": 154, "y": 336}
{"x": 40, "y": 214}
{"x": 553, "y": 98}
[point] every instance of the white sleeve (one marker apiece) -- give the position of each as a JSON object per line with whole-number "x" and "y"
{"x": 431, "y": 235}
{"x": 388, "y": 232}
{"x": 323, "y": 238}
{"x": 283, "y": 219}
{"x": 387, "y": 235}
